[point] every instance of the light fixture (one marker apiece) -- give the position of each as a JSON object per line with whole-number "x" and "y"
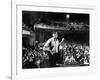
{"x": 67, "y": 16}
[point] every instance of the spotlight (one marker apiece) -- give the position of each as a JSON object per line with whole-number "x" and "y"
{"x": 67, "y": 16}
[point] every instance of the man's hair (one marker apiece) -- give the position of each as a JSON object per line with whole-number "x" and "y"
{"x": 54, "y": 32}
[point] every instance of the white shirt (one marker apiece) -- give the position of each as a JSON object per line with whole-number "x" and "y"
{"x": 54, "y": 44}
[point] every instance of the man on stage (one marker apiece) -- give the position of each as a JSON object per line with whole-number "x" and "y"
{"x": 52, "y": 47}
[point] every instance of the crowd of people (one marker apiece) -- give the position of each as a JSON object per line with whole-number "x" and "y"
{"x": 67, "y": 25}
{"x": 75, "y": 53}
{"x": 70, "y": 54}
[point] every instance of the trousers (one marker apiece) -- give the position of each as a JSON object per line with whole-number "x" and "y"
{"x": 53, "y": 59}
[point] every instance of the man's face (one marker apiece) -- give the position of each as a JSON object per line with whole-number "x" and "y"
{"x": 55, "y": 35}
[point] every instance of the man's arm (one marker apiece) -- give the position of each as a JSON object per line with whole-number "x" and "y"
{"x": 46, "y": 46}
{"x": 61, "y": 41}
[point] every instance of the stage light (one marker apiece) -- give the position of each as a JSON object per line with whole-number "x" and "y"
{"x": 67, "y": 16}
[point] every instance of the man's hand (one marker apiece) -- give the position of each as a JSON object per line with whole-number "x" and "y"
{"x": 62, "y": 40}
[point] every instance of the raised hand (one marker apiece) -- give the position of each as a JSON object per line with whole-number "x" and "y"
{"x": 62, "y": 40}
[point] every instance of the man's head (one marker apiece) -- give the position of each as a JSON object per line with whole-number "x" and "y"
{"x": 55, "y": 34}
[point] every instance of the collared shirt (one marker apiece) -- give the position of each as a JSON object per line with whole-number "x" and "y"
{"x": 54, "y": 44}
